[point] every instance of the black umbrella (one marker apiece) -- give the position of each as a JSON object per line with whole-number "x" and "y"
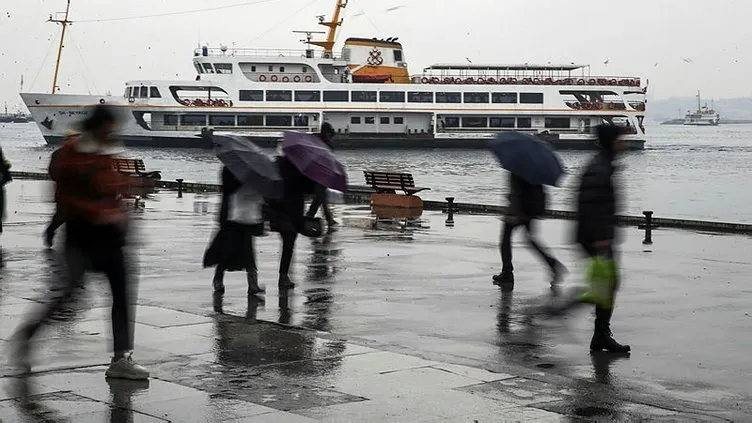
{"x": 249, "y": 164}
{"x": 527, "y": 157}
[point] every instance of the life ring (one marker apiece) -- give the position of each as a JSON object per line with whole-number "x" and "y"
{"x": 197, "y": 102}
{"x": 434, "y": 80}
{"x": 580, "y": 81}
{"x": 457, "y": 80}
{"x": 221, "y": 103}
{"x": 101, "y": 101}
{"x": 577, "y": 106}
{"x": 447, "y": 80}
{"x": 274, "y": 78}
{"x": 587, "y": 106}
{"x": 502, "y": 81}
{"x": 469, "y": 80}
{"x": 512, "y": 80}
{"x": 536, "y": 81}
{"x": 296, "y": 78}
{"x": 262, "y": 78}
{"x": 424, "y": 80}
{"x": 308, "y": 78}
{"x": 612, "y": 82}
{"x": 591, "y": 82}
{"x": 526, "y": 81}
{"x": 285, "y": 79}
{"x": 548, "y": 81}
{"x": 491, "y": 80}
{"x": 186, "y": 102}
{"x": 481, "y": 80}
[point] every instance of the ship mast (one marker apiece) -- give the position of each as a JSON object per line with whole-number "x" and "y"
{"x": 64, "y": 22}
{"x": 336, "y": 22}
{"x": 698, "y": 101}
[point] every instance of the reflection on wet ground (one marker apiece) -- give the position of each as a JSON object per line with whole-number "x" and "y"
{"x": 401, "y": 331}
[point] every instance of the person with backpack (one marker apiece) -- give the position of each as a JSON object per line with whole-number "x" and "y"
{"x": 527, "y": 202}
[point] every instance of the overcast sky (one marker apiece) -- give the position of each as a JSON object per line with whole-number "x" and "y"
{"x": 679, "y": 45}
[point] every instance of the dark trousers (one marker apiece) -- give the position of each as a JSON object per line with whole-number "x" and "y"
{"x": 55, "y": 224}
{"x": 602, "y": 314}
{"x": 219, "y": 272}
{"x": 506, "y": 245}
{"x": 318, "y": 201}
{"x": 106, "y": 257}
{"x": 288, "y": 248}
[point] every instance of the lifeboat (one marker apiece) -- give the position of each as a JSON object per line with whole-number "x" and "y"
{"x": 372, "y": 78}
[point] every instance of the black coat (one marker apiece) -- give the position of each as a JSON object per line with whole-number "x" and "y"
{"x": 286, "y": 214}
{"x": 525, "y": 200}
{"x": 597, "y": 201}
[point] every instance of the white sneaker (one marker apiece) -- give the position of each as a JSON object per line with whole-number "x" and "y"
{"x": 126, "y": 368}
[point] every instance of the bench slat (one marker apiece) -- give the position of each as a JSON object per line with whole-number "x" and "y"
{"x": 392, "y": 181}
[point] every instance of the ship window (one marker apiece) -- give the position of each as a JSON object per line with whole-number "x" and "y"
{"x": 558, "y": 123}
{"x": 384, "y": 120}
{"x": 278, "y": 95}
{"x": 223, "y": 67}
{"x": 397, "y": 55}
{"x": 392, "y": 97}
{"x": 419, "y": 97}
{"x": 307, "y": 95}
{"x": 128, "y": 91}
{"x": 251, "y": 95}
{"x": 531, "y": 98}
{"x": 474, "y": 122}
{"x": 250, "y": 120}
{"x": 193, "y": 120}
{"x": 364, "y": 96}
{"x": 222, "y": 120}
{"x": 524, "y": 122}
{"x": 300, "y": 121}
{"x": 274, "y": 120}
{"x": 281, "y": 68}
{"x": 253, "y": 68}
{"x": 502, "y": 122}
{"x": 339, "y": 96}
{"x": 507, "y": 98}
{"x": 305, "y": 69}
{"x": 451, "y": 122}
{"x": 355, "y": 120}
{"x": 448, "y": 98}
{"x": 476, "y": 98}
{"x": 399, "y": 121}
{"x": 144, "y": 92}
{"x": 170, "y": 120}
{"x": 271, "y": 68}
{"x": 155, "y": 93}
{"x": 208, "y": 68}
{"x": 370, "y": 120}
{"x": 198, "y": 68}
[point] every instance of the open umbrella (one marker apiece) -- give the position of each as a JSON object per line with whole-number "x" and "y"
{"x": 249, "y": 164}
{"x": 315, "y": 160}
{"x": 527, "y": 157}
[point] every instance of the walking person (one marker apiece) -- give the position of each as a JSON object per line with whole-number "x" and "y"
{"x": 57, "y": 219}
{"x": 5, "y": 178}
{"x": 240, "y": 219}
{"x": 88, "y": 193}
{"x": 527, "y": 203}
{"x": 597, "y": 200}
{"x": 286, "y": 215}
{"x": 320, "y": 199}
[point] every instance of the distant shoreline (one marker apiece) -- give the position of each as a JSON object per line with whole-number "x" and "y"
{"x": 722, "y": 122}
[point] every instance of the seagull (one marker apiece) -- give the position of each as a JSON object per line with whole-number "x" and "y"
{"x": 686, "y": 60}
{"x": 392, "y": 9}
{"x": 606, "y": 61}
{"x": 468, "y": 60}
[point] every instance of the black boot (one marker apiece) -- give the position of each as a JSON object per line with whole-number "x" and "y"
{"x": 285, "y": 283}
{"x": 219, "y": 281}
{"x": 603, "y": 341}
{"x": 504, "y": 280}
{"x": 253, "y": 286}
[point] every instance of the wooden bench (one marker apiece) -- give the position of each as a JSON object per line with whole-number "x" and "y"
{"x": 391, "y": 182}
{"x": 135, "y": 167}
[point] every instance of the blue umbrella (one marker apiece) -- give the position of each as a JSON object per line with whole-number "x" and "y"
{"x": 527, "y": 157}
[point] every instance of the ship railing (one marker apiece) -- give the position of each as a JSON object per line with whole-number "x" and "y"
{"x": 261, "y": 52}
{"x": 512, "y": 79}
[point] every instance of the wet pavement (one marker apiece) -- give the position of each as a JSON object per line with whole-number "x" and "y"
{"x": 391, "y": 321}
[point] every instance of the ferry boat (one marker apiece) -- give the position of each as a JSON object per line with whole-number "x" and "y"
{"x": 703, "y": 116}
{"x": 366, "y": 92}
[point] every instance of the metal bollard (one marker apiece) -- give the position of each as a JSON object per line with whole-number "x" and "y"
{"x": 180, "y": 187}
{"x": 648, "y": 228}
{"x": 450, "y": 212}
{"x": 136, "y": 203}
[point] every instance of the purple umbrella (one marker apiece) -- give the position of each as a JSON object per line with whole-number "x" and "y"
{"x": 315, "y": 160}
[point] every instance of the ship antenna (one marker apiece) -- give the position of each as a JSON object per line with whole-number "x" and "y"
{"x": 335, "y": 23}
{"x": 64, "y": 22}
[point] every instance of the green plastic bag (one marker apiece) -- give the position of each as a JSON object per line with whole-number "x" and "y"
{"x": 600, "y": 279}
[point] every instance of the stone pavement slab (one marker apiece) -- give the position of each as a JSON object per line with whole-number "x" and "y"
{"x": 403, "y": 322}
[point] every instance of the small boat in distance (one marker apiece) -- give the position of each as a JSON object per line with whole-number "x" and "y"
{"x": 703, "y": 116}
{"x": 365, "y": 91}
{"x": 18, "y": 117}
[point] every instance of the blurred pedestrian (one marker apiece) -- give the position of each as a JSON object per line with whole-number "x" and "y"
{"x": 286, "y": 215}
{"x": 321, "y": 192}
{"x": 527, "y": 202}
{"x": 57, "y": 219}
{"x": 240, "y": 219}
{"x": 4, "y": 179}
{"x": 88, "y": 193}
{"x": 597, "y": 201}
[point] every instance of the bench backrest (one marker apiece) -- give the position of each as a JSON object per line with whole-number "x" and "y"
{"x": 129, "y": 165}
{"x": 393, "y": 179}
